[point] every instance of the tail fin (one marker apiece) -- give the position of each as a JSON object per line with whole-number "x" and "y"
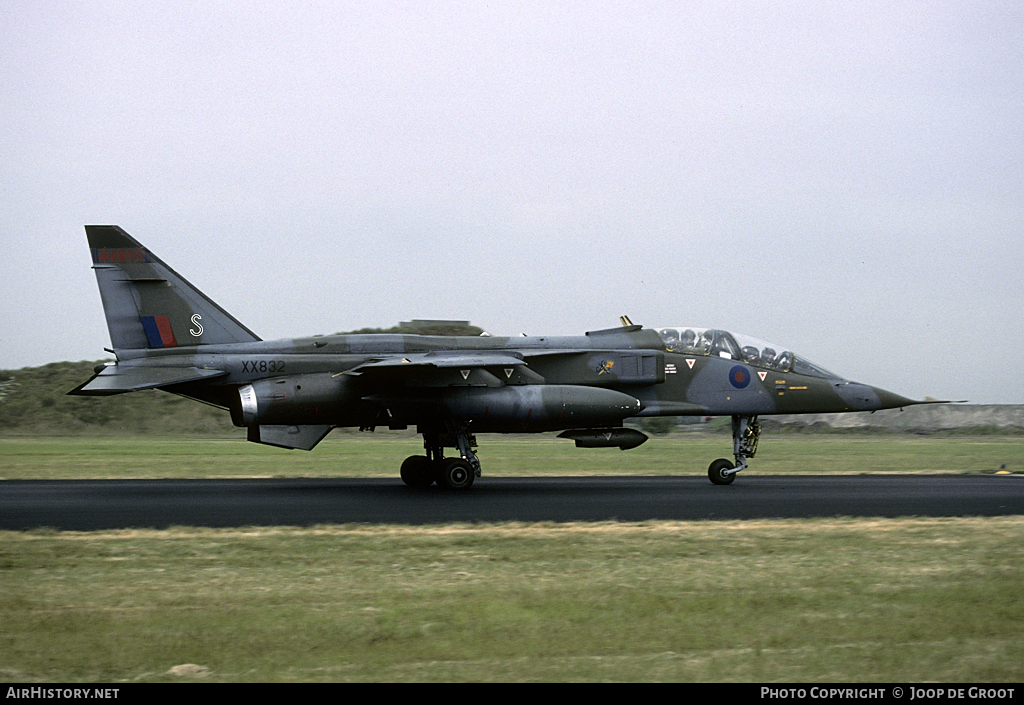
{"x": 148, "y": 304}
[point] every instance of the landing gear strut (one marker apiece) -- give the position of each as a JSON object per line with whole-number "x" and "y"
{"x": 745, "y": 433}
{"x": 421, "y": 471}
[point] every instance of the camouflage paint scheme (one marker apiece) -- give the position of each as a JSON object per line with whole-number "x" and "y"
{"x": 168, "y": 335}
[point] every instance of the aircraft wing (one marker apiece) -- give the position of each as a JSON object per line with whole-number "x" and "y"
{"x": 440, "y": 369}
{"x": 114, "y": 380}
{"x": 436, "y": 361}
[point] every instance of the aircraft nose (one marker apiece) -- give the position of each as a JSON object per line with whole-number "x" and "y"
{"x": 891, "y": 400}
{"x": 863, "y": 397}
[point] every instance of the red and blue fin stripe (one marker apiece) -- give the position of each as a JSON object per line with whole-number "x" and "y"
{"x": 158, "y": 332}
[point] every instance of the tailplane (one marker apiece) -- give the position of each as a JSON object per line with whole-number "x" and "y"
{"x": 149, "y": 305}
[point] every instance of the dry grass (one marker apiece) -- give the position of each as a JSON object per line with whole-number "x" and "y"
{"x": 807, "y": 600}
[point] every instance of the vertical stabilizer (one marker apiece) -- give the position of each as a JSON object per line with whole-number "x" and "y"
{"x": 148, "y": 304}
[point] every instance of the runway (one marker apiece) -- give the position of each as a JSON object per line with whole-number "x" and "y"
{"x": 87, "y": 505}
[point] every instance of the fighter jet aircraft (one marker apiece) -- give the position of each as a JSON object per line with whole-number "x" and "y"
{"x": 166, "y": 334}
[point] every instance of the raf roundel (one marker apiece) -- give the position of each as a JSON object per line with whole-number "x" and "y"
{"x": 739, "y": 376}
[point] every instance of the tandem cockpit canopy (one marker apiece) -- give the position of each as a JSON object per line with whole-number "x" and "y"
{"x": 721, "y": 343}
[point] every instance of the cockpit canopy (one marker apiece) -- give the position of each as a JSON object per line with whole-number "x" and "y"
{"x": 720, "y": 343}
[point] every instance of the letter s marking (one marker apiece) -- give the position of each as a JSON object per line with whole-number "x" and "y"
{"x": 195, "y": 319}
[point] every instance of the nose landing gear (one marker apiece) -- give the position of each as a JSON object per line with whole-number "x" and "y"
{"x": 745, "y": 433}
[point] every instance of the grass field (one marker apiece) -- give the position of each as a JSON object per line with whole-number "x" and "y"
{"x": 380, "y": 454}
{"x": 840, "y": 600}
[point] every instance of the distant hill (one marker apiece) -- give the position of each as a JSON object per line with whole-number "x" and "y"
{"x": 925, "y": 418}
{"x": 34, "y": 401}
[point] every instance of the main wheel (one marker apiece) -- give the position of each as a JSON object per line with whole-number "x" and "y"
{"x": 416, "y": 472}
{"x": 717, "y": 472}
{"x": 456, "y": 474}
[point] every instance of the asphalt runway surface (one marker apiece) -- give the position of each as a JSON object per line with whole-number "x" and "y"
{"x": 87, "y": 505}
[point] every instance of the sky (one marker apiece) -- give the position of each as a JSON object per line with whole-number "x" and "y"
{"x": 842, "y": 179}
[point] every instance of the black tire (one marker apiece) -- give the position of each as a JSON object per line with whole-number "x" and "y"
{"x": 456, "y": 474}
{"x": 416, "y": 472}
{"x": 717, "y": 474}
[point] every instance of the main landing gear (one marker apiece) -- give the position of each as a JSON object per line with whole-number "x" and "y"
{"x": 745, "y": 433}
{"x": 421, "y": 471}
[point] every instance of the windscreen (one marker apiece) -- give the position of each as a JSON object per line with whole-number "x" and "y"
{"x": 720, "y": 343}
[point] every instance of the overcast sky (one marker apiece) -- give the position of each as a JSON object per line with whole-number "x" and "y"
{"x": 842, "y": 179}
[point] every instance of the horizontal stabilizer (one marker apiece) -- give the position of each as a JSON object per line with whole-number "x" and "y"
{"x": 113, "y": 380}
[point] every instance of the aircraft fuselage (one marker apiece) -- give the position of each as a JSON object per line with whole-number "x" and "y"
{"x": 168, "y": 335}
{"x": 340, "y": 381}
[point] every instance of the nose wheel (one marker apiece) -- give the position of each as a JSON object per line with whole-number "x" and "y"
{"x": 722, "y": 472}
{"x": 745, "y": 433}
